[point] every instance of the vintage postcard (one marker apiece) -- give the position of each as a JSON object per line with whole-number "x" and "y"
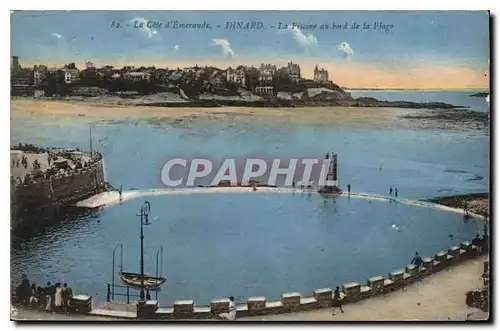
{"x": 250, "y": 166}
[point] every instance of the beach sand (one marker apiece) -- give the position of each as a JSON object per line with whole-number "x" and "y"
{"x": 92, "y": 112}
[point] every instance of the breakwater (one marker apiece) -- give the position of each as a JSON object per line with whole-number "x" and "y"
{"x": 37, "y": 200}
{"x": 112, "y": 198}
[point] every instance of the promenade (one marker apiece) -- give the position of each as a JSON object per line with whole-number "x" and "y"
{"x": 438, "y": 297}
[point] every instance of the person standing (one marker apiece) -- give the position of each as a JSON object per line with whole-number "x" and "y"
{"x": 148, "y": 296}
{"x": 25, "y": 289}
{"x": 337, "y": 301}
{"x": 48, "y": 297}
{"x": 478, "y": 243}
{"x": 58, "y": 296}
{"x": 348, "y": 188}
{"x": 231, "y": 316}
{"x": 120, "y": 192}
{"x": 67, "y": 294}
{"x": 232, "y": 309}
{"x": 33, "y": 297}
{"x": 396, "y": 192}
{"x": 390, "y": 191}
{"x": 417, "y": 260}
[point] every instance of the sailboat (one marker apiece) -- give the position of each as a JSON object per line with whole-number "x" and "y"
{"x": 134, "y": 280}
{"x": 141, "y": 280}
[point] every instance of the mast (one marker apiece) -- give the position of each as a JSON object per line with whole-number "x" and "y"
{"x": 90, "y": 138}
{"x": 336, "y": 165}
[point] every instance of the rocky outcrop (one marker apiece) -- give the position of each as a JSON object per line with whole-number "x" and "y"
{"x": 480, "y": 95}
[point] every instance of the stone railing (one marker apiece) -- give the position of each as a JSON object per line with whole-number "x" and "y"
{"x": 293, "y": 302}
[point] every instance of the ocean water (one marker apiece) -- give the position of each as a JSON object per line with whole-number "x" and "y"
{"x": 257, "y": 244}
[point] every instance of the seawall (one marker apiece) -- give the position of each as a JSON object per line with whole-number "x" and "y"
{"x": 36, "y": 203}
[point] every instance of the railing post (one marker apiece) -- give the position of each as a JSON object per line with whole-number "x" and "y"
{"x": 128, "y": 296}
{"x": 107, "y": 296}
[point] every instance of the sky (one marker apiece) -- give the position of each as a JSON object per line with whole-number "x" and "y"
{"x": 409, "y": 50}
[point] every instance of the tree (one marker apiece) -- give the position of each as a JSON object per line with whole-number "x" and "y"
{"x": 90, "y": 77}
{"x": 49, "y": 84}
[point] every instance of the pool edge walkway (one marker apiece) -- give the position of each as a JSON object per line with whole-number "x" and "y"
{"x": 112, "y": 197}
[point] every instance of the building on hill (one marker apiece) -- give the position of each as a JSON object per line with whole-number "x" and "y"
{"x": 264, "y": 90}
{"x": 38, "y": 76}
{"x": 265, "y": 76}
{"x": 14, "y": 63}
{"x": 294, "y": 71}
{"x": 137, "y": 76}
{"x": 21, "y": 82}
{"x": 236, "y": 76}
{"x": 266, "y": 73}
{"x": 270, "y": 67}
{"x": 71, "y": 76}
{"x": 320, "y": 75}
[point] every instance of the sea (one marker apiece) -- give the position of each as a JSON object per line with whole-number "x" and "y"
{"x": 258, "y": 243}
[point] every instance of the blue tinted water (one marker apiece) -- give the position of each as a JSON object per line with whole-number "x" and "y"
{"x": 258, "y": 244}
{"x": 243, "y": 244}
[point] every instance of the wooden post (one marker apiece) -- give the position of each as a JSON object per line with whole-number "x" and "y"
{"x": 108, "y": 292}
{"x": 128, "y": 295}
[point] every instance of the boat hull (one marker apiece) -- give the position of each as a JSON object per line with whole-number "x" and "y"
{"x": 134, "y": 280}
{"x": 331, "y": 190}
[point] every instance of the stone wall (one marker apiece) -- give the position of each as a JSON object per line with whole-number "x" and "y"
{"x": 292, "y": 302}
{"x": 35, "y": 204}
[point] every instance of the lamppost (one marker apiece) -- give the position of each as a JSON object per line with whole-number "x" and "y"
{"x": 113, "y": 271}
{"x": 144, "y": 214}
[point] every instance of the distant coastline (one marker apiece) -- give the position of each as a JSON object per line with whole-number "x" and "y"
{"x": 324, "y": 99}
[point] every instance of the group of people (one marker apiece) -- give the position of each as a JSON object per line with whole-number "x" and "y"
{"x": 24, "y": 162}
{"x": 395, "y": 191}
{"x": 480, "y": 243}
{"x": 51, "y": 297}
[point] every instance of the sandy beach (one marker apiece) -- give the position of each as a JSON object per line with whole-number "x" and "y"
{"x": 92, "y": 112}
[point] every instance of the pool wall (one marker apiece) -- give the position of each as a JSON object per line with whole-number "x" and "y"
{"x": 321, "y": 298}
